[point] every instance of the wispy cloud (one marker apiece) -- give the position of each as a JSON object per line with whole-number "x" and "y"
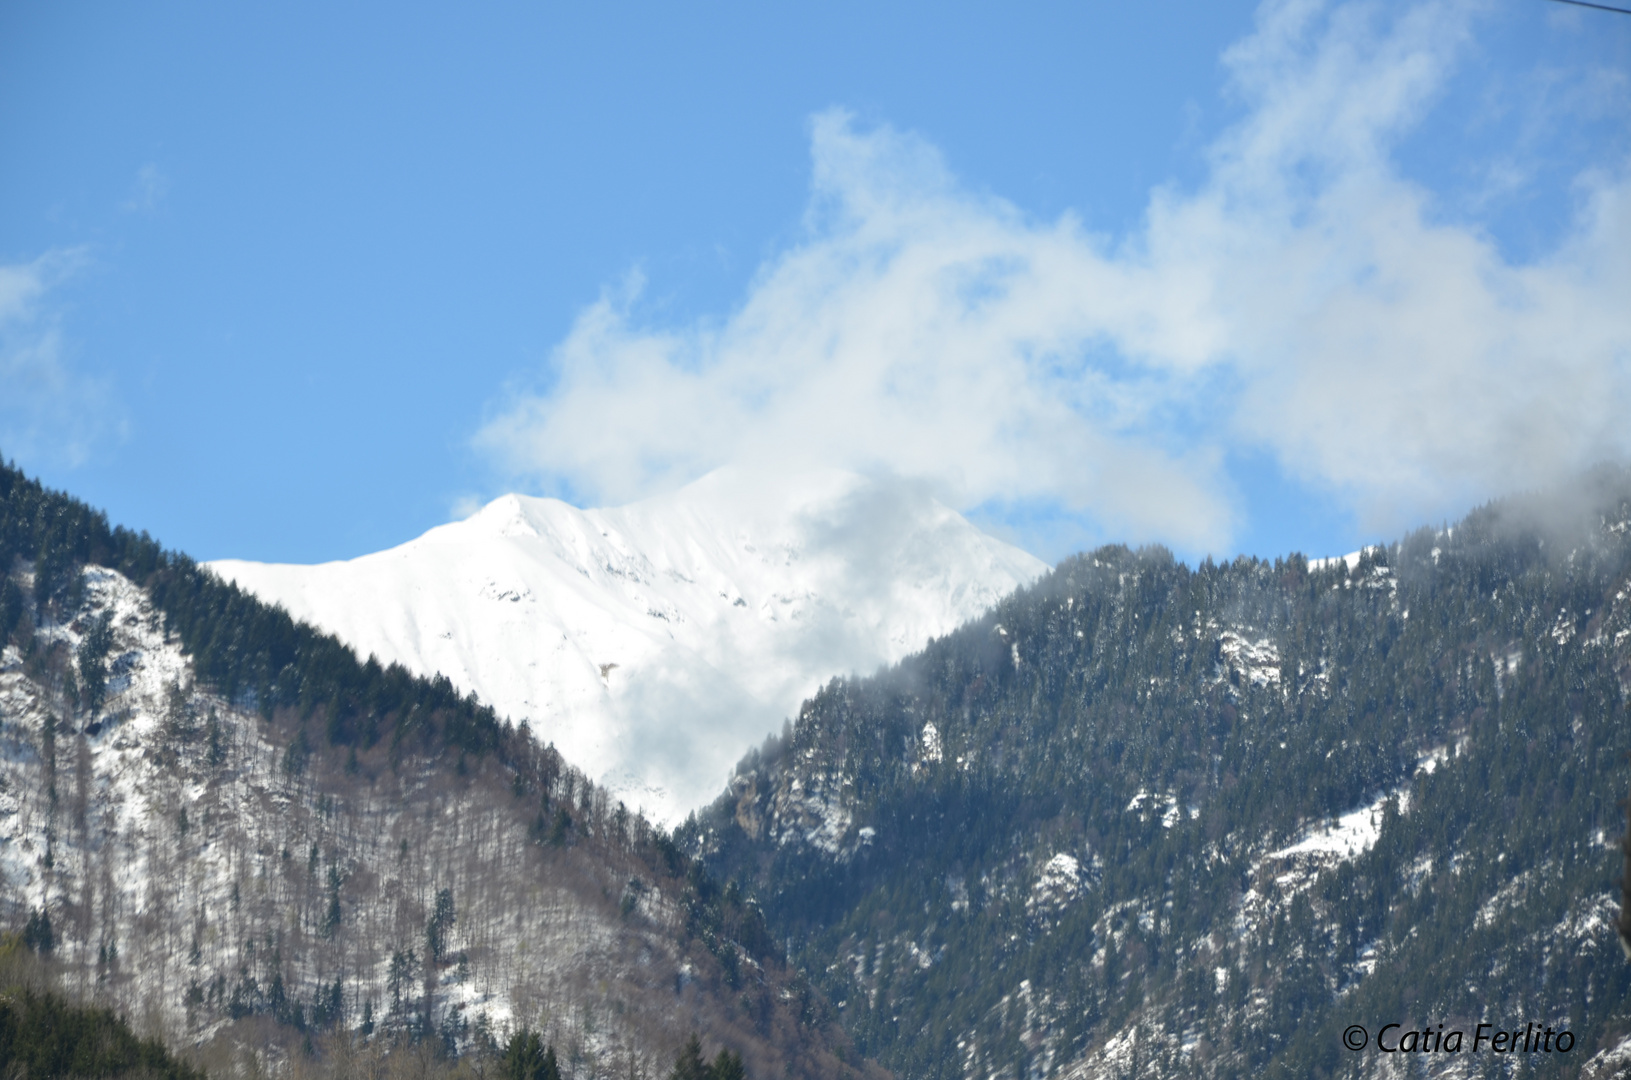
{"x": 149, "y": 189}
{"x": 49, "y": 412}
{"x": 1306, "y": 298}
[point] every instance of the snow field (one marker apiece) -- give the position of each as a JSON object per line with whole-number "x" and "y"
{"x": 656, "y": 643}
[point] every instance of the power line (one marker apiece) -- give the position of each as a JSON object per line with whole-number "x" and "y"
{"x": 1599, "y": 7}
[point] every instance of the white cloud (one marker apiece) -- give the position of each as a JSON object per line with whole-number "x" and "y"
{"x": 463, "y": 506}
{"x": 48, "y": 411}
{"x": 20, "y": 290}
{"x": 1305, "y": 298}
{"x": 1399, "y": 359}
{"x": 149, "y": 190}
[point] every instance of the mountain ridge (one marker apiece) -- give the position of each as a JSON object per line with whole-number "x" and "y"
{"x": 1150, "y": 820}
{"x": 1140, "y": 819}
{"x": 653, "y": 643}
{"x": 222, "y": 823}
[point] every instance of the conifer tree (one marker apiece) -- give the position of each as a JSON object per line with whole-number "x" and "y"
{"x": 441, "y": 921}
{"x": 690, "y": 1064}
{"x": 93, "y": 653}
{"x": 528, "y": 1058}
{"x": 728, "y": 1066}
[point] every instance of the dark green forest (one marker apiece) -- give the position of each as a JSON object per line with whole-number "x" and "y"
{"x": 44, "y": 1035}
{"x": 1496, "y": 650}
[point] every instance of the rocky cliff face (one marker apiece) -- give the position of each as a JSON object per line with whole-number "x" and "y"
{"x": 1144, "y": 820}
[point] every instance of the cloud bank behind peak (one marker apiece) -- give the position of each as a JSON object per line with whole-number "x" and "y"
{"x": 1306, "y": 300}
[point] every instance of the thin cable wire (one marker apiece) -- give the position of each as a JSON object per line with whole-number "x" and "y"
{"x": 1599, "y": 7}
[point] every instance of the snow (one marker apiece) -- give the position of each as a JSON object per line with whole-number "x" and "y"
{"x": 1257, "y": 661}
{"x": 1350, "y": 836}
{"x": 819, "y": 815}
{"x": 1589, "y": 919}
{"x": 1278, "y": 876}
{"x": 1506, "y": 898}
{"x": 654, "y": 643}
{"x": 1167, "y": 803}
{"x": 1349, "y": 561}
{"x": 145, "y": 666}
{"x": 1060, "y": 883}
{"x": 932, "y": 750}
{"x": 1612, "y": 1062}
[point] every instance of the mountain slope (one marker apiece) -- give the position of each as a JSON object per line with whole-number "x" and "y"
{"x": 653, "y": 643}
{"x": 1144, "y": 820}
{"x": 220, "y": 823}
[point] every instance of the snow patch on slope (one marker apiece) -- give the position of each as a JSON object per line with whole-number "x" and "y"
{"x": 1348, "y": 837}
{"x": 1257, "y": 662}
{"x": 1062, "y": 881}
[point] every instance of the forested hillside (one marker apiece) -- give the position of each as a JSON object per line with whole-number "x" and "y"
{"x": 1148, "y": 820}
{"x": 221, "y": 824}
{"x": 1141, "y": 820}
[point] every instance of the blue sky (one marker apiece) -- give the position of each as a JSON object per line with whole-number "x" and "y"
{"x": 299, "y": 283}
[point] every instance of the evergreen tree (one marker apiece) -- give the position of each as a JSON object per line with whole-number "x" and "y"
{"x": 93, "y": 654}
{"x": 727, "y": 1066}
{"x": 690, "y": 1064}
{"x": 527, "y": 1057}
{"x": 11, "y": 607}
{"x": 37, "y": 933}
{"x": 441, "y": 920}
{"x": 41, "y": 1035}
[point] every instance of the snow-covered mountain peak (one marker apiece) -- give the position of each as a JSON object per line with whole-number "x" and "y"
{"x": 507, "y": 515}
{"x": 655, "y": 642}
